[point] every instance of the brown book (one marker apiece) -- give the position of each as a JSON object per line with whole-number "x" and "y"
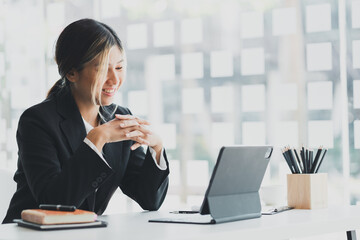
{"x": 41, "y": 216}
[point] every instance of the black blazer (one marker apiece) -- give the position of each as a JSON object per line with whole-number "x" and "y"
{"x": 55, "y": 166}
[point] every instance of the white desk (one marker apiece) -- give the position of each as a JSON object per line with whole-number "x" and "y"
{"x": 289, "y": 224}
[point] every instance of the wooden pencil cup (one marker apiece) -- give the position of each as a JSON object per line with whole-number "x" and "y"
{"x": 307, "y": 191}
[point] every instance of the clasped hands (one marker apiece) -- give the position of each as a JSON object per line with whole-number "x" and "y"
{"x": 133, "y": 128}
{"x": 122, "y": 128}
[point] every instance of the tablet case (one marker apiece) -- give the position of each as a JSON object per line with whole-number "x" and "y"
{"x": 233, "y": 191}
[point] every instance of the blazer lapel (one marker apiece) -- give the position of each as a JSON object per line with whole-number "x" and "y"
{"x": 72, "y": 126}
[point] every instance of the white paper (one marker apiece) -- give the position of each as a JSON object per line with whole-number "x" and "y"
{"x": 253, "y": 98}
{"x": 222, "y": 99}
{"x": 191, "y": 31}
{"x": 192, "y": 100}
{"x": 319, "y": 56}
{"x": 318, "y": 18}
{"x": 138, "y": 102}
{"x": 321, "y": 133}
{"x": 320, "y": 95}
{"x": 164, "y": 33}
{"x": 252, "y": 24}
{"x": 253, "y": 133}
{"x": 221, "y": 63}
{"x": 284, "y": 21}
{"x": 252, "y": 61}
{"x": 137, "y": 36}
{"x": 192, "y": 65}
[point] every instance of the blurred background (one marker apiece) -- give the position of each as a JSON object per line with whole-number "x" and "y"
{"x": 208, "y": 73}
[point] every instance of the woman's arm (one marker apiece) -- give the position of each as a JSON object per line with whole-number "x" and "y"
{"x": 53, "y": 172}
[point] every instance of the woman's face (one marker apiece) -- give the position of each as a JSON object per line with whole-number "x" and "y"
{"x": 86, "y": 78}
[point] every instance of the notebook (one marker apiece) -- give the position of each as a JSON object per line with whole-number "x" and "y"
{"x": 233, "y": 190}
{"x": 36, "y": 226}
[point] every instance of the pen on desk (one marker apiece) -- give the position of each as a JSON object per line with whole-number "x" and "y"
{"x": 57, "y": 207}
{"x": 184, "y": 212}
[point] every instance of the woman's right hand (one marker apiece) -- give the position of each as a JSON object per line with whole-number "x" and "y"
{"x": 117, "y": 129}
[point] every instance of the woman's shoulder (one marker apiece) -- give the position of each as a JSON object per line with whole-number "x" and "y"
{"x": 41, "y": 110}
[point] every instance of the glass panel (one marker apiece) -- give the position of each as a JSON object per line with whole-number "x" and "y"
{"x": 55, "y": 14}
{"x": 318, "y": 18}
{"x": 222, "y": 99}
{"x": 192, "y": 65}
{"x": 285, "y": 96}
{"x": 253, "y": 133}
{"x": 284, "y": 21}
{"x": 163, "y": 67}
{"x": 2, "y": 64}
{"x": 287, "y": 133}
{"x": 256, "y": 28}
{"x": 356, "y": 53}
{"x": 321, "y": 134}
{"x": 253, "y": 98}
{"x": 164, "y": 34}
{"x": 174, "y": 175}
{"x": 222, "y": 134}
{"x": 191, "y": 30}
{"x": 221, "y": 64}
{"x": 168, "y": 135}
{"x": 319, "y": 56}
{"x": 138, "y": 102}
{"x": 355, "y": 14}
{"x": 136, "y": 36}
{"x": 110, "y": 8}
{"x": 356, "y": 93}
{"x": 252, "y": 61}
{"x": 357, "y": 134}
{"x": 320, "y": 95}
{"x": 192, "y": 100}
{"x": 197, "y": 173}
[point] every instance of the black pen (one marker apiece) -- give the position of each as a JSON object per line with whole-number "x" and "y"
{"x": 184, "y": 212}
{"x": 57, "y": 207}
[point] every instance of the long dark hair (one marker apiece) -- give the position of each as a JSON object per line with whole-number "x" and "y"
{"x": 79, "y": 43}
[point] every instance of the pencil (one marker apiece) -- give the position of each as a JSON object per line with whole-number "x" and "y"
{"x": 317, "y": 169}
{"x": 316, "y": 160}
{"x": 287, "y": 161}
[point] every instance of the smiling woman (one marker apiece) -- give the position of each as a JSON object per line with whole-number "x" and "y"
{"x": 77, "y": 147}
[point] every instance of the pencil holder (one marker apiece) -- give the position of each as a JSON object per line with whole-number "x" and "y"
{"x": 307, "y": 191}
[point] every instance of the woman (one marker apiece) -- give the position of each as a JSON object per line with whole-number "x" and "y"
{"x": 76, "y": 147}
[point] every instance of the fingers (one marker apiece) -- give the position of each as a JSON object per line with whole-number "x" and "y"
{"x": 128, "y": 123}
{"x": 135, "y": 146}
{"x": 131, "y": 117}
{"x": 139, "y": 141}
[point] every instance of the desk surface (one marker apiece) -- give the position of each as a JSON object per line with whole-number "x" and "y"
{"x": 293, "y": 223}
